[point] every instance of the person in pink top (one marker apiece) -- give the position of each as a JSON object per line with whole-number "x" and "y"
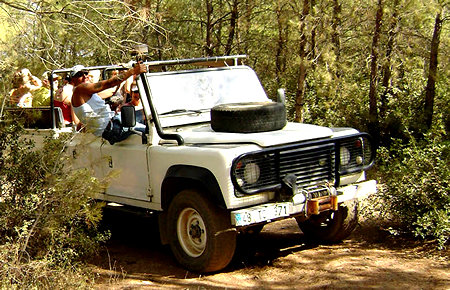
{"x": 63, "y": 99}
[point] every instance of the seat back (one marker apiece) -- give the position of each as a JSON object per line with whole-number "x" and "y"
{"x": 37, "y": 117}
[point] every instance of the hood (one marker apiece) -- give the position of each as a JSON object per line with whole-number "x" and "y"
{"x": 293, "y": 132}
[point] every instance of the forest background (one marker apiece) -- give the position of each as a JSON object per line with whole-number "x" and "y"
{"x": 378, "y": 66}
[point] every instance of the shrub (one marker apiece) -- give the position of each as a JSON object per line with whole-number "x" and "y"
{"x": 48, "y": 218}
{"x": 416, "y": 192}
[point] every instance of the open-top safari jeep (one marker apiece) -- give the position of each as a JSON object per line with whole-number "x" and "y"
{"x": 219, "y": 159}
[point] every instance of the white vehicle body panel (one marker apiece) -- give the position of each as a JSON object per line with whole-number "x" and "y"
{"x": 217, "y": 159}
{"x": 130, "y": 161}
{"x": 293, "y": 132}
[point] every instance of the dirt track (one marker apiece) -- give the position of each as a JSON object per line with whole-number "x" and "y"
{"x": 277, "y": 258}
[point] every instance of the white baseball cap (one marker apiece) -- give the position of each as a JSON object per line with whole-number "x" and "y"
{"x": 76, "y": 69}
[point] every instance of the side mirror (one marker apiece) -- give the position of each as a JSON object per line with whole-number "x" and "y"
{"x": 128, "y": 115}
{"x": 281, "y": 97}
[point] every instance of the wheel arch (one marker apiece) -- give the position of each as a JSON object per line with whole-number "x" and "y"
{"x": 179, "y": 177}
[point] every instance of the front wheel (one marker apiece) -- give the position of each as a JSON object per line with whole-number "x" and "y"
{"x": 200, "y": 233}
{"x": 331, "y": 226}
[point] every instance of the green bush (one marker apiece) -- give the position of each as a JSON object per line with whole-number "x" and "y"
{"x": 48, "y": 218}
{"x": 416, "y": 191}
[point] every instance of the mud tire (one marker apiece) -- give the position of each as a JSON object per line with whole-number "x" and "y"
{"x": 200, "y": 233}
{"x": 248, "y": 117}
{"x": 331, "y": 227}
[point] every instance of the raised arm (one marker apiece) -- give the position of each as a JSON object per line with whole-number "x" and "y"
{"x": 83, "y": 91}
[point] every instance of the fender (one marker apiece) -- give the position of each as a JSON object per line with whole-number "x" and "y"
{"x": 179, "y": 177}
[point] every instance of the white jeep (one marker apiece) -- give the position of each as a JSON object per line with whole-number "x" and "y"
{"x": 219, "y": 159}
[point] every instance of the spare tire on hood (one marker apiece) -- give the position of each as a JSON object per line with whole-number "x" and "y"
{"x": 248, "y": 117}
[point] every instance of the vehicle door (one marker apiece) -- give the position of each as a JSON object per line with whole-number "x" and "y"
{"x": 126, "y": 162}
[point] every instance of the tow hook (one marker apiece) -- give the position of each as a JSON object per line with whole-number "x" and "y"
{"x": 288, "y": 187}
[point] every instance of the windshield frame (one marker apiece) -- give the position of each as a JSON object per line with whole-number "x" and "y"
{"x": 197, "y": 91}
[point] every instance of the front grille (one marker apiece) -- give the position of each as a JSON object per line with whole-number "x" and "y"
{"x": 312, "y": 166}
{"x": 316, "y": 164}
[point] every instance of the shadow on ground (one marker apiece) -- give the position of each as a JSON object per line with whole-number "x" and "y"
{"x": 138, "y": 237}
{"x": 278, "y": 257}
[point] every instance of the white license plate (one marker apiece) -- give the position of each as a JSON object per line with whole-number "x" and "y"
{"x": 261, "y": 213}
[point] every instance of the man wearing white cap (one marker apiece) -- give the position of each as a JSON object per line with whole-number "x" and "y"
{"x": 89, "y": 107}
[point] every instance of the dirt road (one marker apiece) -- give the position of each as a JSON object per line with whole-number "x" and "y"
{"x": 277, "y": 258}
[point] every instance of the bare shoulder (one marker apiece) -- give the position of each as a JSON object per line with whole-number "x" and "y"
{"x": 78, "y": 95}
{"x": 65, "y": 94}
{"x": 68, "y": 89}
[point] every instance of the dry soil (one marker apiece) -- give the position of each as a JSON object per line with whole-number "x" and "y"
{"x": 277, "y": 258}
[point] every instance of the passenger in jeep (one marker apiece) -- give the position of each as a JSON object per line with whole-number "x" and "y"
{"x": 24, "y": 84}
{"x": 91, "y": 109}
{"x": 63, "y": 100}
{"x": 136, "y": 102}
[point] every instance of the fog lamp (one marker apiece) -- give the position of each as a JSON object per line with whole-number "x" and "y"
{"x": 298, "y": 198}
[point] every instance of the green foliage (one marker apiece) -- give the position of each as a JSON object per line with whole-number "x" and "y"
{"x": 39, "y": 274}
{"x": 48, "y": 218}
{"x": 416, "y": 192}
{"x": 52, "y": 34}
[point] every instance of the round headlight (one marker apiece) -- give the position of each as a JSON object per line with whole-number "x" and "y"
{"x": 345, "y": 155}
{"x": 251, "y": 173}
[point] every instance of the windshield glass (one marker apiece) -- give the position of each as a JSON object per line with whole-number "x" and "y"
{"x": 203, "y": 89}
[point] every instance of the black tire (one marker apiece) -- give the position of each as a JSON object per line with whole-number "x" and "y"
{"x": 248, "y": 117}
{"x": 331, "y": 226}
{"x": 200, "y": 233}
{"x": 253, "y": 230}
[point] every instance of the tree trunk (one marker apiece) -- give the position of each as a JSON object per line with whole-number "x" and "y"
{"x": 335, "y": 35}
{"x": 280, "y": 58}
{"x": 233, "y": 24}
{"x": 430, "y": 89}
{"x": 209, "y": 28}
{"x": 387, "y": 63}
{"x": 302, "y": 69}
{"x": 218, "y": 24}
{"x": 159, "y": 36}
{"x": 336, "y": 47}
{"x": 373, "y": 109}
{"x": 312, "y": 50}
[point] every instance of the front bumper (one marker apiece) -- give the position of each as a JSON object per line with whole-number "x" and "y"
{"x": 278, "y": 210}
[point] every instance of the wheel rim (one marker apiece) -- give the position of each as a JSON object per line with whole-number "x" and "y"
{"x": 191, "y": 232}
